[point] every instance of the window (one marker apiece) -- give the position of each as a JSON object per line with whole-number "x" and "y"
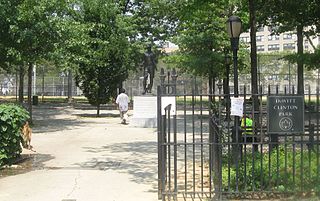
{"x": 245, "y": 39}
{"x": 259, "y": 38}
{"x": 287, "y": 36}
{"x": 273, "y": 47}
{"x": 260, "y": 48}
{"x": 273, "y": 37}
{"x": 289, "y": 46}
{"x": 273, "y": 77}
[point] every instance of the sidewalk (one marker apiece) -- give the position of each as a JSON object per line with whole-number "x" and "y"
{"x": 83, "y": 158}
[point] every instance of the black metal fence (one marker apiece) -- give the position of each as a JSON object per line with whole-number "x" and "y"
{"x": 202, "y": 156}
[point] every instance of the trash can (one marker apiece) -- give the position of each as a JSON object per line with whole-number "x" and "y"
{"x": 35, "y": 100}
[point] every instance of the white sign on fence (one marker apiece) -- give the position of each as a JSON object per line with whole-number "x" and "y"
{"x": 237, "y": 106}
{"x": 167, "y": 100}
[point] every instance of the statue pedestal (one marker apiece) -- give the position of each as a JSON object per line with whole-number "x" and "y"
{"x": 144, "y": 111}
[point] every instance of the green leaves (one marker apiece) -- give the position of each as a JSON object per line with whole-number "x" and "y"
{"x": 201, "y": 37}
{"x": 105, "y": 55}
{"x": 12, "y": 117}
{"x": 286, "y": 167}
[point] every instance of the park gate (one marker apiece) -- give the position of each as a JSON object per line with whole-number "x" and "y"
{"x": 203, "y": 156}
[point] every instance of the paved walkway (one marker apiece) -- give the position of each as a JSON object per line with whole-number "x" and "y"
{"x": 79, "y": 157}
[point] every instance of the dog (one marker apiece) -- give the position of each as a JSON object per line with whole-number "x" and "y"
{"x": 26, "y": 132}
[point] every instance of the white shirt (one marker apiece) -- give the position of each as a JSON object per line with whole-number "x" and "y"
{"x": 122, "y": 101}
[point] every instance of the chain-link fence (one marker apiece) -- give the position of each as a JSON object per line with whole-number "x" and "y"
{"x": 273, "y": 72}
{"x": 47, "y": 86}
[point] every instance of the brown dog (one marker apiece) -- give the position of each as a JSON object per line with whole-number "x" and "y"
{"x": 26, "y": 136}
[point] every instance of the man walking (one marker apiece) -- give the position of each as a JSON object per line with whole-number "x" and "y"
{"x": 123, "y": 101}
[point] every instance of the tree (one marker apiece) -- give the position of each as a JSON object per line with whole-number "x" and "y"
{"x": 201, "y": 37}
{"x": 253, "y": 57}
{"x": 105, "y": 56}
{"x": 32, "y": 32}
{"x": 67, "y": 54}
{"x": 113, "y": 36}
{"x": 299, "y": 16}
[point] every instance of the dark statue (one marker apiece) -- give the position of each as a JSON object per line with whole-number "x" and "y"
{"x": 149, "y": 68}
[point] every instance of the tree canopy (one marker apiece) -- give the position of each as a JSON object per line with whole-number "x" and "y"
{"x": 105, "y": 52}
{"x": 102, "y": 41}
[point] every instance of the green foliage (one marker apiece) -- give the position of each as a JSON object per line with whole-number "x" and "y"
{"x": 105, "y": 55}
{"x": 34, "y": 28}
{"x": 201, "y": 37}
{"x": 12, "y": 117}
{"x": 311, "y": 60}
{"x": 286, "y": 169}
{"x": 279, "y": 14}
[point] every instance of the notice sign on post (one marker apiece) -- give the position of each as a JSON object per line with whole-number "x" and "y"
{"x": 285, "y": 114}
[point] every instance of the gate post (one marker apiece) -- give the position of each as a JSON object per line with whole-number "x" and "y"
{"x": 159, "y": 131}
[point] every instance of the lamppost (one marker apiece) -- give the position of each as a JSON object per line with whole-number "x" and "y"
{"x": 226, "y": 88}
{"x": 234, "y": 29}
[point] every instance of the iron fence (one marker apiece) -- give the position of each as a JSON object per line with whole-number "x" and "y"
{"x": 202, "y": 157}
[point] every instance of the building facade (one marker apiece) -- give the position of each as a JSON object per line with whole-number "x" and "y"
{"x": 268, "y": 42}
{"x": 273, "y": 70}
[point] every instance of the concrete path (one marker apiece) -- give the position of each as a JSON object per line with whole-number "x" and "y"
{"x": 79, "y": 157}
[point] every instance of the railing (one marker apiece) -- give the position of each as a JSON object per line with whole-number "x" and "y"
{"x": 200, "y": 158}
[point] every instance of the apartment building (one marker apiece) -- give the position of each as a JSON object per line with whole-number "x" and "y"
{"x": 267, "y": 42}
{"x": 276, "y": 72}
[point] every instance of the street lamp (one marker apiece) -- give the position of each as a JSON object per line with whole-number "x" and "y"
{"x": 226, "y": 90}
{"x": 234, "y": 29}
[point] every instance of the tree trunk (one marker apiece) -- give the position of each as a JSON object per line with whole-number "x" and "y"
{"x": 21, "y": 82}
{"x": 226, "y": 92}
{"x": 300, "y": 61}
{"x": 254, "y": 64}
{"x": 30, "y": 68}
{"x": 69, "y": 86}
{"x": 253, "y": 53}
{"x": 42, "y": 95}
{"x": 213, "y": 83}
{"x": 98, "y": 110}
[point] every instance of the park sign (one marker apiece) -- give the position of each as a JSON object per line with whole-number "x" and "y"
{"x": 285, "y": 114}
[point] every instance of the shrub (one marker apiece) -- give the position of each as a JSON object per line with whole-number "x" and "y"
{"x": 12, "y": 117}
{"x": 287, "y": 168}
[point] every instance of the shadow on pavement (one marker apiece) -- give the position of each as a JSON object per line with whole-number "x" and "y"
{"x": 49, "y": 117}
{"x": 138, "y": 159}
{"x": 26, "y": 163}
{"x": 100, "y": 116}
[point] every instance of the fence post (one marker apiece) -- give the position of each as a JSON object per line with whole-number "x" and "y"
{"x": 159, "y": 126}
{"x": 162, "y": 79}
{"x": 174, "y": 81}
{"x": 216, "y": 148}
{"x": 311, "y": 137}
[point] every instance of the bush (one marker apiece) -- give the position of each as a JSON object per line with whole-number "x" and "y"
{"x": 12, "y": 117}
{"x": 285, "y": 169}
